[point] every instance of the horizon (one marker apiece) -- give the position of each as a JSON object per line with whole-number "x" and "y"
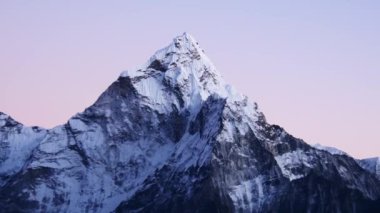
{"x": 316, "y": 76}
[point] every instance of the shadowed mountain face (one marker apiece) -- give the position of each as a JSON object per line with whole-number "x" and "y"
{"x": 172, "y": 136}
{"x": 372, "y": 165}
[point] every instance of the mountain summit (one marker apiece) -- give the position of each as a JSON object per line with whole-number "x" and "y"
{"x": 172, "y": 136}
{"x": 184, "y": 67}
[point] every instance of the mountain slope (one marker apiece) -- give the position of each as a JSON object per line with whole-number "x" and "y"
{"x": 172, "y": 136}
{"x": 17, "y": 143}
{"x": 372, "y": 165}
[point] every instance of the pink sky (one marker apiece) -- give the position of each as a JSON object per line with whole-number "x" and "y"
{"x": 313, "y": 68}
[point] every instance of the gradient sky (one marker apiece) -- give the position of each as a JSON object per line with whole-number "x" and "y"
{"x": 312, "y": 66}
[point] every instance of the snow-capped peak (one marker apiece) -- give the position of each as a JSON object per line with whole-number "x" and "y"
{"x": 169, "y": 135}
{"x": 181, "y": 66}
{"x": 182, "y": 50}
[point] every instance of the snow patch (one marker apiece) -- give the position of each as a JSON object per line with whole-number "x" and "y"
{"x": 3, "y": 119}
{"x": 292, "y": 164}
{"x": 331, "y": 150}
{"x": 77, "y": 124}
{"x": 248, "y": 194}
{"x": 129, "y": 73}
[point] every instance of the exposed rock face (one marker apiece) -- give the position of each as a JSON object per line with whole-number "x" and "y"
{"x": 173, "y": 137}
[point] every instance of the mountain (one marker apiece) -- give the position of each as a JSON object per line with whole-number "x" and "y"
{"x": 172, "y": 136}
{"x": 372, "y": 165}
